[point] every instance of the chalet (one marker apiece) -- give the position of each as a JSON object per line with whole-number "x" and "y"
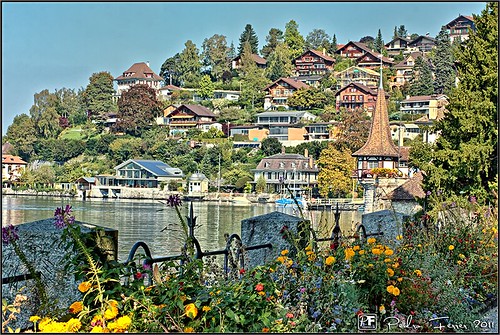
{"x": 373, "y": 60}
{"x": 187, "y": 117}
{"x": 403, "y": 130}
{"x": 279, "y": 91}
{"x": 422, "y": 43}
{"x": 312, "y": 80}
{"x": 356, "y": 74}
{"x": 298, "y": 172}
{"x": 353, "y": 50}
{"x": 139, "y": 73}
{"x": 397, "y": 45}
{"x": 286, "y": 117}
{"x": 12, "y": 168}
{"x": 357, "y": 95}
{"x": 313, "y": 62}
{"x": 404, "y": 70}
{"x": 460, "y": 27}
{"x": 259, "y": 61}
{"x": 424, "y": 104}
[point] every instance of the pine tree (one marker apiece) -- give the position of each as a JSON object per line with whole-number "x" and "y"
{"x": 395, "y": 34}
{"x": 253, "y": 80}
{"x": 248, "y": 35}
{"x": 294, "y": 39}
{"x": 378, "y": 44}
{"x": 464, "y": 161}
{"x": 402, "y": 32}
{"x": 274, "y": 37}
{"x": 232, "y": 51}
{"x": 333, "y": 45}
{"x": 189, "y": 65}
{"x": 279, "y": 63}
{"x": 443, "y": 62}
{"x": 421, "y": 82}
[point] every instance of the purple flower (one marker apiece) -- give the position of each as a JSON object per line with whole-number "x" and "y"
{"x": 316, "y": 314}
{"x": 302, "y": 289}
{"x": 174, "y": 200}
{"x": 428, "y": 193}
{"x": 63, "y": 217}
{"x": 393, "y": 303}
{"x": 9, "y": 234}
{"x": 146, "y": 267}
{"x": 472, "y": 199}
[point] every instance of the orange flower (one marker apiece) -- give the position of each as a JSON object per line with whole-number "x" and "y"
{"x": 84, "y": 286}
{"x": 330, "y": 260}
{"x": 191, "y": 310}
{"x": 265, "y": 330}
{"x": 259, "y": 287}
{"x": 76, "y": 307}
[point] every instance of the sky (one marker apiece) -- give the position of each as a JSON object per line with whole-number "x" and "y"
{"x": 60, "y": 45}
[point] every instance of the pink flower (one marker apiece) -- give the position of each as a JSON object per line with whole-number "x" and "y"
{"x": 289, "y": 315}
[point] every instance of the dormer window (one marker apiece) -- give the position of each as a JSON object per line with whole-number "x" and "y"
{"x": 266, "y": 164}
{"x": 294, "y": 165}
{"x": 282, "y": 165}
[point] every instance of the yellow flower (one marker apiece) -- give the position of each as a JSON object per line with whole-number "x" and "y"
{"x": 376, "y": 251}
{"x": 97, "y": 329}
{"x": 189, "y": 330}
{"x": 390, "y": 289}
{"x": 289, "y": 262}
{"x": 395, "y": 265}
{"x": 390, "y": 272}
{"x": 387, "y": 260}
{"x": 308, "y": 248}
{"x": 34, "y": 318}
{"x": 84, "y": 286}
{"x": 399, "y": 237}
{"x": 113, "y": 303}
{"x": 356, "y": 248}
{"x": 361, "y": 252}
{"x": 419, "y": 245}
{"x": 110, "y": 313}
{"x": 76, "y": 307}
{"x": 330, "y": 260}
{"x": 261, "y": 293}
{"x": 388, "y": 252}
{"x": 396, "y": 291}
{"x": 418, "y": 272}
{"x": 349, "y": 253}
{"x": 459, "y": 262}
{"x": 121, "y": 324}
{"x": 451, "y": 247}
{"x": 462, "y": 256}
{"x": 382, "y": 309}
{"x": 205, "y": 309}
{"x": 191, "y": 310}
{"x": 73, "y": 325}
{"x": 372, "y": 240}
{"x": 370, "y": 265}
{"x": 45, "y": 322}
{"x": 284, "y": 252}
{"x": 400, "y": 279}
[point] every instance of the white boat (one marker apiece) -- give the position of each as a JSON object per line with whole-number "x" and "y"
{"x": 291, "y": 202}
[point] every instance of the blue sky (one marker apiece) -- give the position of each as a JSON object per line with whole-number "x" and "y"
{"x": 56, "y": 45}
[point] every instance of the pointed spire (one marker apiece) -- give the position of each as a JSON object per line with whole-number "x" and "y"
{"x": 381, "y": 85}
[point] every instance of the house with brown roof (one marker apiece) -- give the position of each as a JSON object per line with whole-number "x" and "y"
{"x": 186, "y": 117}
{"x": 259, "y": 61}
{"x": 357, "y": 95}
{"x": 12, "y": 168}
{"x": 138, "y": 73}
{"x": 424, "y": 104}
{"x": 397, "y": 45}
{"x": 313, "y": 62}
{"x": 353, "y": 50}
{"x": 404, "y": 70}
{"x": 404, "y": 198}
{"x": 460, "y": 27}
{"x": 278, "y": 92}
{"x": 422, "y": 43}
{"x": 298, "y": 172}
{"x": 356, "y": 74}
{"x": 372, "y": 60}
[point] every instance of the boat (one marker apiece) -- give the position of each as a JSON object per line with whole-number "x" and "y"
{"x": 291, "y": 202}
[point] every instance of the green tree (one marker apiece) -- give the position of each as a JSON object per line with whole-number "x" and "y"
{"x": 137, "y": 109}
{"x": 45, "y": 175}
{"x": 353, "y": 129}
{"x": 232, "y": 51}
{"x": 274, "y": 37}
{"x": 443, "y": 63}
{"x": 401, "y": 31}
{"x": 333, "y": 45}
{"x": 368, "y": 40}
{"x": 307, "y": 98}
{"x": 22, "y": 135}
{"x": 378, "y": 43}
{"x": 270, "y": 146}
{"x": 421, "y": 82}
{"x": 335, "y": 171}
{"x": 279, "y": 63}
{"x": 260, "y": 185}
{"x": 294, "y": 39}
{"x": 253, "y": 81}
{"x": 215, "y": 55}
{"x": 98, "y": 96}
{"x": 465, "y": 157}
{"x": 206, "y": 89}
{"x": 125, "y": 148}
{"x": 189, "y": 65}
{"x": 248, "y": 36}
{"x": 317, "y": 39}
{"x": 44, "y": 114}
{"x": 170, "y": 70}
{"x": 68, "y": 106}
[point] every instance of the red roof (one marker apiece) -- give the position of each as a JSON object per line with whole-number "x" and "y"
{"x": 367, "y": 89}
{"x": 10, "y": 159}
{"x": 171, "y": 88}
{"x": 140, "y": 71}
{"x": 359, "y": 45}
{"x": 259, "y": 60}
{"x": 290, "y": 81}
{"x": 196, "y": 109}
{"x": 320, "y": 54}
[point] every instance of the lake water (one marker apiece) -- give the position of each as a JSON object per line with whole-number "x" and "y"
{"x": 143, "y": 220}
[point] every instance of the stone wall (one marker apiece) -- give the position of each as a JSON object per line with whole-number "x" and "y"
{"x": 388, "y": 222}
{"x": 267, "y": 228}
{"x": 42, "y": 244}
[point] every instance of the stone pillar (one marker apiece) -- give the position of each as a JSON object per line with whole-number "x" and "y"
{"x": 268, "y": 228}
{"x": 369, "y": 195}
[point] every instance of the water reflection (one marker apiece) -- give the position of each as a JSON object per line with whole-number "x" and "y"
{"x": 143, "y": 220}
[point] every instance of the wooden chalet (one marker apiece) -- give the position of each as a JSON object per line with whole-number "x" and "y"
{"x": 460, "y": 27}
{"x": 313, "y": 62}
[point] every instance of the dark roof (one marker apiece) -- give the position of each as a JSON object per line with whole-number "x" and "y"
{"x": 196, "y": 109}
{"x": 255, "y": 57}
{"x": 379, "y": 142}
{"x": 319, "y": 54}
{"x": 450, "y": 24}
{"x": 287, "y": 160}
{"x": 377, "y": 55}
{"x": 421, "y": 37}
{"x": 171, "y": 87}
{"x": 360, "y": 45}
{"x": 410, "y": 190}
{"x": 368, "y": 89}
{"x": 158, "y": 168}
{"x": 403, "y": 64}
{"x": 290, "y": 81}
{"x": 398, "y": 38}
{"x": 140, "y": 71}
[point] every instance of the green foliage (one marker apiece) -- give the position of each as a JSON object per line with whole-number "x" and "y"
{"x": 421, "y": 82}
{"x": 314, "y": 148}
{"x": 125, "y": 148}
{"x": 293, "y": 39}
{"x": 343, "y": 63}
{"x": 44, "y": 175}
{"x": 22, "y": 135}
{"x": 206, "y": 89}
{"x": 443, "y": 63}
{"x": 270, "y": 146}
{"x": 317, "y": 39}
{"x": 248, "y": 36}
{"x": 44, "y": 114}
{"x": 59, "y": 150}
{"x": 333, "y": 45}
{"x": 97, "y": 98}
{"x": 137, "y": 109}
{"x": 189, "y": 65}
{"x": 368, "y": 40}
{"x": 307, "y": 98}
{"x": 253, "y": 81}
{"x": 170, "y": 70}
{"x": 353, "y": 129}
{"x": 335, "y": 171}
{"x": 279, "y": 63}
{"x": 378, "y": 43}
{"x": 215, "y": 55}
{"x": 464, "y": 160}
{"x": 260, "y": 185}
{"x": 274, "y": 37}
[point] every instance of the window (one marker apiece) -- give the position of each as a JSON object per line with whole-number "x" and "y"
{"x": 266, "y": 164}
{"x": 282, "y": 165}
{"x": 372, "y": 164}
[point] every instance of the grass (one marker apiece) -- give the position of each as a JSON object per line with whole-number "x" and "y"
{"x": 74, "y": 133}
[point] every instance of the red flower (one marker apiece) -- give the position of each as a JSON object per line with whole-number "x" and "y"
{"x": 259, "y": 287}
{"x": 360, "y": 312}
{"x": 138, "y": 275}
{"x": 242, "y": 271}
